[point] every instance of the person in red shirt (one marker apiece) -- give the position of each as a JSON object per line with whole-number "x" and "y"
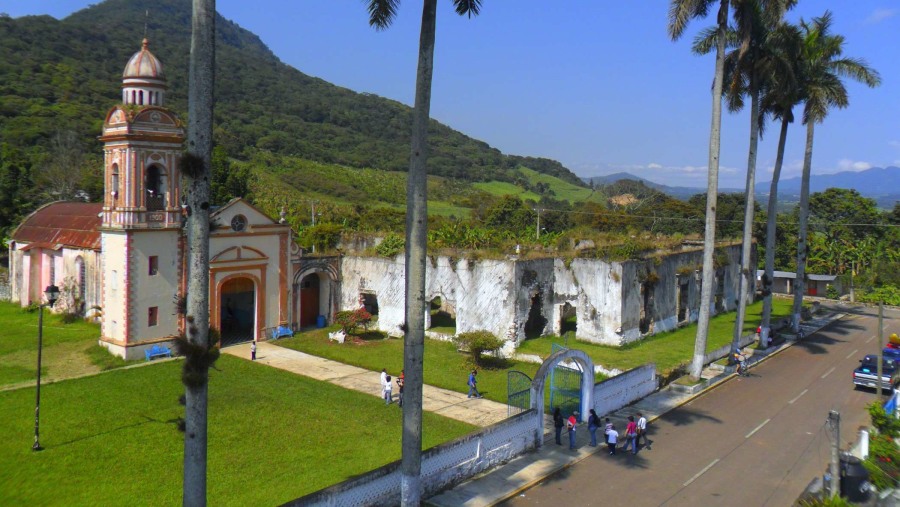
{"x": 630, "y": 435}
{"x": 571, "y": 424}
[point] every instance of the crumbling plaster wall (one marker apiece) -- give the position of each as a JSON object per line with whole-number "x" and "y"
{"x": 594, "y": 288}
{"x": 665, "y": 280}
{"x": 483, "y": 293}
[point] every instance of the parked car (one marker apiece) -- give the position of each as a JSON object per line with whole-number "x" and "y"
{"x": 866, "y": 375}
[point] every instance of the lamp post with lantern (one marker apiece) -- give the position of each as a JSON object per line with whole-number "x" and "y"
{"x": 52, "y": 293}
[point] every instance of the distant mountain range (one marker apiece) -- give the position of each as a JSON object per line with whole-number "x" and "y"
{"x": 881, "y": 184}
{"x": 677, "y": 192}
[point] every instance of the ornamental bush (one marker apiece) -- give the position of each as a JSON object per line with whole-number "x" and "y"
{"x": 349, "y": 320}
{"x": 477, "y": 343}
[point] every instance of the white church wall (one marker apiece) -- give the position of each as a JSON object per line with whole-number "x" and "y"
{"x": 112, "y": 329}
{"x": 157, "y": 290}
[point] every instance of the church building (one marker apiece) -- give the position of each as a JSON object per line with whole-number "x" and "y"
{"x": 123, "y": 260}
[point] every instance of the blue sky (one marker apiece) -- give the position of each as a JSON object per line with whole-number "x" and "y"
{"x": 596, "y": 85}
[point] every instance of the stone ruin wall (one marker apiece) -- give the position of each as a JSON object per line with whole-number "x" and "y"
{"x": 505, "y": 296}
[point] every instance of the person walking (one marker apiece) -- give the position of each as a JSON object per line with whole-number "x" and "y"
{"x": 612, "y": 438}
{"x": 253, "y": 350}
{"x": 473, "y": 389}
{"x": 642, "y": 431}
{"x": 571, "y": 424}
{"x": 386, "y": 389}
{"x": 558, "y": 425}
{"x": 630, "y": 436}
{"x": 608, "y": 427}
{"x": 400, "y": 380}
{"x": 593, "y": 424}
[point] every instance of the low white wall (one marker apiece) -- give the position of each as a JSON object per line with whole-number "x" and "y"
{"x": 442, "y": 466}
{"x": 621, "y": 390}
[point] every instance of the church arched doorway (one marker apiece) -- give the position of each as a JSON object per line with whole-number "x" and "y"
{"x": 237, "y": 307}
{"x": 310, "y": 287}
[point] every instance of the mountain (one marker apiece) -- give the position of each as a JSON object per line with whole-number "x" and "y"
{"x": 682, "y": 193}
{"x": 881, "y": 184}
{"x": 64, "y": 75}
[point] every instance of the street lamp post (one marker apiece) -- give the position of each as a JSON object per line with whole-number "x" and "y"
{"x": 52, "y": 293}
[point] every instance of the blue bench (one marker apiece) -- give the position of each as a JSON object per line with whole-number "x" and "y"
{"x": 157, "y": 351}
{"x": 280, "y": 331}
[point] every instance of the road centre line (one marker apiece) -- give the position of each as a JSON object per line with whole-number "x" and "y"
{"x": 701, "y": 472}
{"x": 852, "y": 353}
{"x": 870, "y": 339}
{"x": 798, "y": 396}
{"x": 757, "y": 428}
{"x": 827, "y": 373}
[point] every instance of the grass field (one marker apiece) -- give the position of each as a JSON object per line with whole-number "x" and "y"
{"x": 501, "y": 188}
{"x": 111, "y": 439}
{"x": 444, "y": 367}
{"x": 563, "y": 190}
{"x": 68, "y": 349}
{"x": 667, "y": 350}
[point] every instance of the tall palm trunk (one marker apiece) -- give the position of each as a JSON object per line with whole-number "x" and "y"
{"x": 196, "y": 192}
{"x": 800, "y": 282}
{"x": 712, "y": 194}
{"x": 771, "y": 233}
{"x": 747, "y": 271}
{"x": 416, "y": 235}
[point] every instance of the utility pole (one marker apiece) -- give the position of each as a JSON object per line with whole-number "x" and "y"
{"x": 881, "y": 347}
{"x": 538, "y": 228}
{"x": 834, "y": 421}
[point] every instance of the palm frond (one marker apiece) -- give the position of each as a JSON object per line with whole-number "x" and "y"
{"x": 467, "y": 7}
{"x": 682, "y": 11}
{"x": 705, "y": 41}
{"x": 382, "y": 13}
{"x": 856, "y": 69}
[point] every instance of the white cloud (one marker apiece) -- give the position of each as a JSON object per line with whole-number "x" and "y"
{"x": 653, "y": 165}
{"x": 879, "y": 15}
{"x": 846, "y": 164}
{"x": 895, "y": 143}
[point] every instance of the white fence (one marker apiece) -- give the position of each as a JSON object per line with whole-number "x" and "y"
{"x": 617, "y": 392}
{"x": 442, "y": 466}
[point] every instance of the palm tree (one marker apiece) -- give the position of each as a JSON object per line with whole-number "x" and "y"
{"x": 680, "y": 13}
{"x": 196, "y": 171}
{"x": 381, "y": 15}
{"x": 822, "y": 67}
{"x": 747, "y": 68}
{"x": 778, "y": 100}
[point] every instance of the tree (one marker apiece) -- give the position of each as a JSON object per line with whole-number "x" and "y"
{"x": 381, "y": 15}
{"x": 196, "y": 163}
{"x": 64, "y": 170}
{"x": 680, "y": 13}
{"x": 778, "y": 100}
{"x": 822, "y": 67}
{"x": 746, "y": 72}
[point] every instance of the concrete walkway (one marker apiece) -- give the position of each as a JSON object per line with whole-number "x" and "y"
{"x": 480, "y": 412}
{"x": 509, "y": 480}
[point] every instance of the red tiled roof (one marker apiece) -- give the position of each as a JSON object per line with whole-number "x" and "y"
{"x": 72, "y": 224}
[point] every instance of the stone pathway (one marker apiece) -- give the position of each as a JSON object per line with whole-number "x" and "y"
{"x": 480, "y": 412}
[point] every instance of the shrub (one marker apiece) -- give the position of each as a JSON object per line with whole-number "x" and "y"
{"x": 349, "y": 320}
{"x": 70, "y": 317}
{"x": 390, "y": 246}
{"x": 888, "y": 294}
{"x": 477, "y": 343}
{"x": 831, "y": 292}
{"x": 883, "y": 462}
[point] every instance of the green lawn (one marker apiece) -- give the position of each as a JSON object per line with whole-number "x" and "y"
{"x": 667, "y": 350}
{"x": 68, "y": 349}
{"x": 444, "y": 366}
{"x": 111, "y": 439}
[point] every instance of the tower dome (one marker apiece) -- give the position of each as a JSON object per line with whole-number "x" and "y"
{"x": 143, "y": 81}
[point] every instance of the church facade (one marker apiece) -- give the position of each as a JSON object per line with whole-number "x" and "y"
{"x": 123, "y": 260}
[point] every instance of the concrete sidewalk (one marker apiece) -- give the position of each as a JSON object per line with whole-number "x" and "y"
{"x": 477, "y": 411}
{"x": 508, "y": 480}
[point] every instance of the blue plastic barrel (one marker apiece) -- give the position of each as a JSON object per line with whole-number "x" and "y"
{"x": 320, "y": 321}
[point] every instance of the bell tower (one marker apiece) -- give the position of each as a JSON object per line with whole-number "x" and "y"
{"x": 141, "y": 217}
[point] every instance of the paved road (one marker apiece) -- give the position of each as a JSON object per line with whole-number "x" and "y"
{"x": 752, "y": 441}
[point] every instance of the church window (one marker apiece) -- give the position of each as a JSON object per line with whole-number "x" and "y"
{"x": 154, "y": 265}
{"x": 141, "y": 97}
{"x": 152, "y": 316}
{"x": 114, "y": 182}
{"x": 82, "y": 279}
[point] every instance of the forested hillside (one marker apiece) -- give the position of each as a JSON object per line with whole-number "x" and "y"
{"x": 59, "y": 77}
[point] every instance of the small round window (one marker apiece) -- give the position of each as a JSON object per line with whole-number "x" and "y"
{"x": 239, "y": 223}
